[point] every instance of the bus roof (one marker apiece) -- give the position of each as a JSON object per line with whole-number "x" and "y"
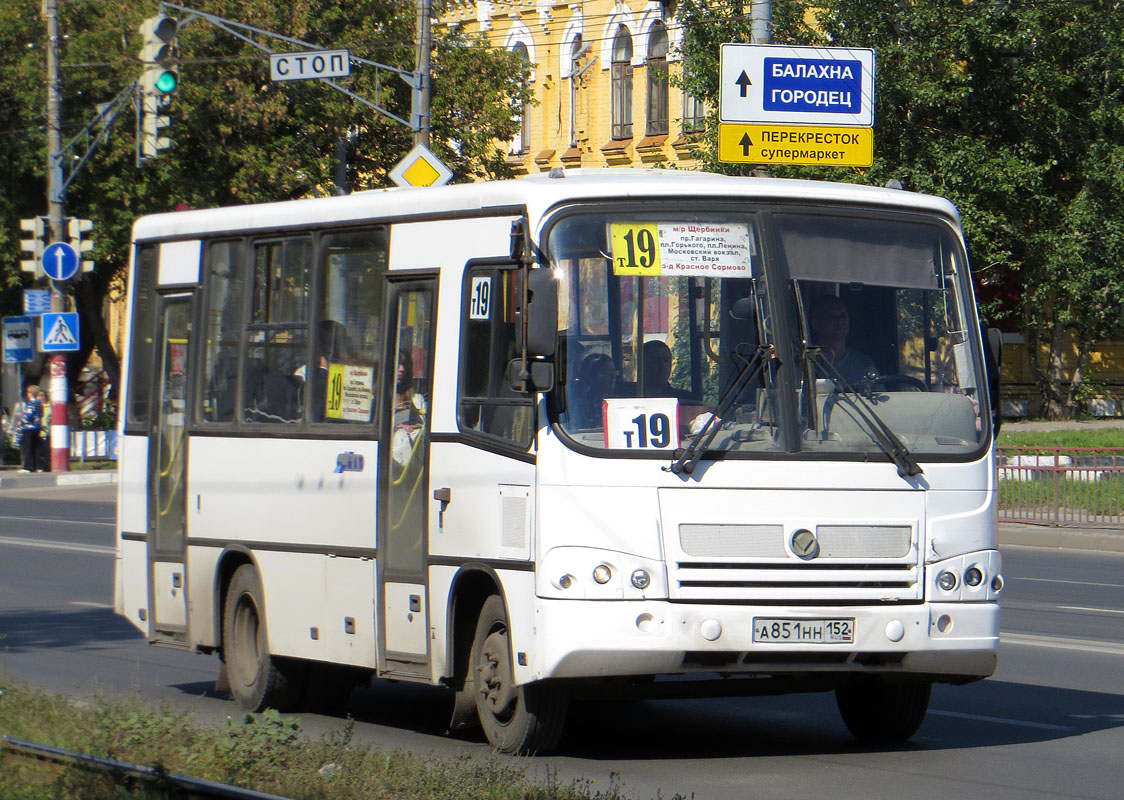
{"x": 537, "y": 192}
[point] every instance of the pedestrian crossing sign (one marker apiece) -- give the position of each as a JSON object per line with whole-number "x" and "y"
{"x": 59, "y": 332}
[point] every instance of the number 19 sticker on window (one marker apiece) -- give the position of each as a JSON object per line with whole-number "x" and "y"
{"x": 716, "y": 250}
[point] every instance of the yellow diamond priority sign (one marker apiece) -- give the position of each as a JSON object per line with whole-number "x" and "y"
{"x": 796, "y": 144}
{"x": 421, "y": 168}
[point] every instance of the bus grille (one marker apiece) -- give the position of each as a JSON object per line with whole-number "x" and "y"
{"x": 754, "y": 563}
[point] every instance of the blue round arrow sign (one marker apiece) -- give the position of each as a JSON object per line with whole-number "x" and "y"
{"x": 60, "y": 261}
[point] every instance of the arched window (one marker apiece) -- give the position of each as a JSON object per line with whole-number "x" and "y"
{"x": 520, "y": 141}
{"x": 575, "y": 74}
{"x": 622, "y": 84}
{"x": 656, "y": 68}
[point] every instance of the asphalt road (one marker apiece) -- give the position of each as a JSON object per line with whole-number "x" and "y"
{"x": 1050, "y": 723}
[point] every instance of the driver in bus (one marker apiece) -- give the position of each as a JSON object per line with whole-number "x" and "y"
{"x": 830, "y": 325}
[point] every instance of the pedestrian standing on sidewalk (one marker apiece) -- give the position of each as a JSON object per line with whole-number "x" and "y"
{"x": 31, "y": 424}
{"x": 43, "y": 457}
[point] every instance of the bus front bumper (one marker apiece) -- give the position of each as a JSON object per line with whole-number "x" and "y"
{"x": 947, "y": 642}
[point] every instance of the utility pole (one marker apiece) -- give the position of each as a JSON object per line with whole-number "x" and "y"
{"x": 423, "y": 82}
{"x": 56, "y": 223}
{"x": 761, "y": 17}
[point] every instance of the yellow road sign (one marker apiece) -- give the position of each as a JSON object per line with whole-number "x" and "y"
{"x": 795, "y": 144}
{"x": 420, "y": 167}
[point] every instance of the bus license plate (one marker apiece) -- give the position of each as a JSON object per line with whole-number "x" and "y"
{"x": 804, "y": 631}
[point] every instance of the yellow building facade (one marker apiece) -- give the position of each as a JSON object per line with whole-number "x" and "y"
{"x": 601, "y": 81}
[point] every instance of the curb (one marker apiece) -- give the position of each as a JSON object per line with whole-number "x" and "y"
{"x": 10, "y": 480}
{"x": 1110, "y": 540}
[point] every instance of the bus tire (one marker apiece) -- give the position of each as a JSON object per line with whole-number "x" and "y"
{"x": 878, "y": 710}
{"x": 257, "y": 679}
{"x": 516, "y": 719}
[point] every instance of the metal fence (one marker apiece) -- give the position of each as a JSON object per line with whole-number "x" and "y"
{"x": 1061, "y": 485}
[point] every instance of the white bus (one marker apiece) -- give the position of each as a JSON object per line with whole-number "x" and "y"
{"x": 595, "y": 431}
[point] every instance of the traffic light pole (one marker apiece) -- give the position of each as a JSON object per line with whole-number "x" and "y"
{"x": 56, "y": 216}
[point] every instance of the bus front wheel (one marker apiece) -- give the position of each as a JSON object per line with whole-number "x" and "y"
{"x": 257, "y": 679}
{"x": 878, "y": 710}
{"x": 516, "y": 719}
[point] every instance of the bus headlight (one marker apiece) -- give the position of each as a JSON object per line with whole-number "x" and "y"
{"x": 973, "y": 576}
{"x": 997, "y": 584}
{"x": 641, "y": 579}
{"x": 947, "y": 580}
{"x": 602, "y": 574}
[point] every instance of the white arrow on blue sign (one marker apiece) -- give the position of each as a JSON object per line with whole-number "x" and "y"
{"x": 60, "y": 261}
{"x": 60, "y": 332}
{"x": 782, "y": 85}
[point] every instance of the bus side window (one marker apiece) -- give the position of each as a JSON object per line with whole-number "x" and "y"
{"x": 489, "y": 343}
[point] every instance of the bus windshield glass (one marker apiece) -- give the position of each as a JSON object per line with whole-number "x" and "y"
{"x": 849, "y": 327}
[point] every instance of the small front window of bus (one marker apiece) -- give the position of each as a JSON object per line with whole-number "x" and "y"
{"x": 885, "y": 326}
{"x": 664, "y": 319}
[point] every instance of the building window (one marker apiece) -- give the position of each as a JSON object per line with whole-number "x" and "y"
{"x": 656, "y": 115}
{"x": 575, "y": 74}
{"x": 694, "y": 114}
{"x": 521, "y": 139}
{"x": 622, "y": 84}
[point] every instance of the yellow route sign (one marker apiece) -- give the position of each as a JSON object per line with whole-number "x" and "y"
{"x": 796, "y": 144}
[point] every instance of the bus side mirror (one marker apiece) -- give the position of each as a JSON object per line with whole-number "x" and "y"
{"x": 540, "y": 376}
{"x": 993, "y": 356}
{"x": 542, "y": 313}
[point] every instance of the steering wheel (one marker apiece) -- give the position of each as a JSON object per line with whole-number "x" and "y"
{"x": 903, "y": 383}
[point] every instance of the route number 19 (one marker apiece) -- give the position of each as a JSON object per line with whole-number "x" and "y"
{"x": 636, "y": 248}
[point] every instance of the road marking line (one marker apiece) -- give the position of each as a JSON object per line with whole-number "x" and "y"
{"x": 1072, "y": 583}
{"x": 72, "y": 546}
{"x": 1022, "y": 723}
{"x": 89, "y": 604}
{"x": 1098, "y": 610}
{"x": 63, "y": 521}
{"x": 1057, "y": 643}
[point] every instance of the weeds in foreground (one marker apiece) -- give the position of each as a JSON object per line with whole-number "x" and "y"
{"x": 265, "y": 752}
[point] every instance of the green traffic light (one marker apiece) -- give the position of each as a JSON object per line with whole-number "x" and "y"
{"x": 166, "y": 81}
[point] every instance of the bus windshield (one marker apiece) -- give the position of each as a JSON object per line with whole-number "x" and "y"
{"x": 847, "y": 328}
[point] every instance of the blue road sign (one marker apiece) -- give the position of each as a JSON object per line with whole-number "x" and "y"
{"x": 17, "y": 339}
{"x": 36, "y": 302}
{"x": 60, "y": 261}
{"x": 60, "y": 332}
{"x": 766, "y": 84}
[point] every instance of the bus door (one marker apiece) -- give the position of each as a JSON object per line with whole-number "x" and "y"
{"x": 167, "y": 472}
{"x": 403, "y": 618}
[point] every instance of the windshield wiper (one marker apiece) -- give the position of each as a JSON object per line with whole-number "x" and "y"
{"x": 879, "y": 431}
{"x": 689, "y": 456}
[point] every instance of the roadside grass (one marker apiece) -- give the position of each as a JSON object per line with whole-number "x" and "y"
{"x": 1095, "y": 437}
{"x": 265, "y": 752}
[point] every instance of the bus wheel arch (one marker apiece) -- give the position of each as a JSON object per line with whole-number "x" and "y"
{"x": 257, "y": 679}
{"x": 472, "y": 586}
{"x": 517, "y": 719}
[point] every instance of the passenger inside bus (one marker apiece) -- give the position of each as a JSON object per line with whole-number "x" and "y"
{"x": 596, "y": 380}
{"x": 657, "y": 372}
{"x": 331, "y": 340}
{"x": 830, "y": 323}
{"x": 409, "y": 412}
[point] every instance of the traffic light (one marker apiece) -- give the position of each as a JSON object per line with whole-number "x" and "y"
{"x": 74, "y": 229}
{"x": 34, "y": 244}
{"x": 160, "y": 57}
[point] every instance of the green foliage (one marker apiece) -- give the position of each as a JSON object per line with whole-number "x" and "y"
{"x": 236, "y": 136}
{"x": 265, "y": 752}
{"x": 1015, "y": 112}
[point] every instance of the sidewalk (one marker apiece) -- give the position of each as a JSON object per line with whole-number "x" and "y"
{"x": 12, "y": 478}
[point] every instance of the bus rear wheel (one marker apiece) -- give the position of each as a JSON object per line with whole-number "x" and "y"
{"x": 516, "y": 719}
{"x": 878, "y": 710}
{"x": 257, "y": 679}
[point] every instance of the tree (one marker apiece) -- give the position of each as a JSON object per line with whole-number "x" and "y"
{"x": 236, "y": 136}
{"x": 1015, "y": 112}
